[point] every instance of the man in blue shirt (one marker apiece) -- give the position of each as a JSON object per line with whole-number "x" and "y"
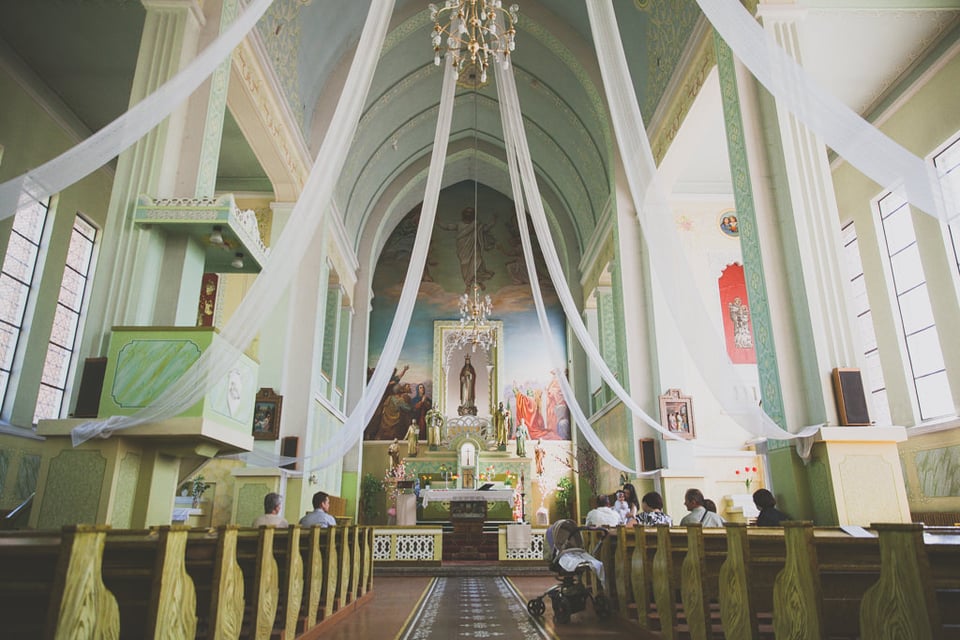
{"x": 319, "y": 516}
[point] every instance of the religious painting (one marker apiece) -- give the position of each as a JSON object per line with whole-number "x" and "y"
{"x": 402, "y": 402}
{"x": 541, "y": 406}
{"x": 676, "y": 413}
{"x": 208, "y": 299}
{"x": 735, "y": 311}
{"x": 729, "y": 224}
{"x": 266, "y": 415}
{"x": 470, "y": 247}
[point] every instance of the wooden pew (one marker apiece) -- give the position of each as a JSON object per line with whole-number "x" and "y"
{"x": 748, "y": 574}
{"x": 321, "y": 574}
{"x": 353, "y": 542}
{"x": 146, "y": 572}
{"x": 823, "y": 581}
{"x": 904, "y": 596}
{"x": 286, "y": 551}
{"x": 943, "y": 553}
{"x": 341, "y": 540}
{"x": 366, "y": 561}
{"x": 641, "y": 573}
{"x": 261, "y": 586}
{"x": 211, "y": 561}
{"x": 51, "y": 585}
{"x": 621, "y": 577}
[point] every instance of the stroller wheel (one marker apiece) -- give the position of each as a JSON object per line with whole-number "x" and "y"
{"x": 536, "y": 607}
{"x": 561, "y": 614}
{"x": 601, "y": 606}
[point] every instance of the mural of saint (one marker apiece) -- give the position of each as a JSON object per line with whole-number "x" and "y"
{"x": 422, "y": 403}
{"x": 558, "y": 415}
{"x": 373, "y": 429}
{"x": 472, "y": 240}
{"x": 530, "y": 411}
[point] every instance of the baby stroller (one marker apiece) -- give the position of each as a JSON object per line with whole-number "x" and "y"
{"x": 570, "y": 561}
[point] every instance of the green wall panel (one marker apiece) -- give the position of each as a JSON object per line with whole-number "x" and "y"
{"x": 250, "y": 503}
{"x": 72, "y": 492}
{"x": 937, "y": 470}
{"x": 122, "y": 517}
{"x": 27, "y": 476}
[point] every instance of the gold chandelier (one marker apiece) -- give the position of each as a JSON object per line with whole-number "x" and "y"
{"x": 473, "y": 30}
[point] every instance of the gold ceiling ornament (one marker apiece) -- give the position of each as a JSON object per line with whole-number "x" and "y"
{"x": 474, "y": 31}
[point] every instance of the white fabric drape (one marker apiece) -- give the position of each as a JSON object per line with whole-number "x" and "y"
{"x": 508, "y": 102}
{"x": 840, "y": 128}
{"x": 667, "y": 257}
{"x": 352, "y": 430}
{"x": 513, "y": 119}
{"x": 97, "y": 150}
{"x": 307, "y": 216}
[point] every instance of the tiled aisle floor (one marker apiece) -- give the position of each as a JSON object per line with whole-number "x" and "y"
{"x": 395, "y": 598}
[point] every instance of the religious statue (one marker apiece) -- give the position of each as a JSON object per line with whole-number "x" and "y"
{"x": 394, "y": 452}
{"x": 539, "y": 453}
{"x": 740, "y": 315}
{"x": 413, "y": 438}
{"x": 500, "y": 427}
{"x": 468, "y": 389}
{"x": 522, "y": 435}
{"x": 434, "y": 426}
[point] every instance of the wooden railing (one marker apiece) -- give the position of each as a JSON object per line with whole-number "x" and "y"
{"x": 795, "y": 582}
{"x": 179, "y": 582}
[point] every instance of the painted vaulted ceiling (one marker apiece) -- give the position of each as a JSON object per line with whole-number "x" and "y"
{"x": 82, "y": 53}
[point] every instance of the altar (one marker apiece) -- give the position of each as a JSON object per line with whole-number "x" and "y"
{"x": 435, "y": 503}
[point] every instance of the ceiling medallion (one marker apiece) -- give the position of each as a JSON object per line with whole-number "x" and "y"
{"x": 474, "y": 31}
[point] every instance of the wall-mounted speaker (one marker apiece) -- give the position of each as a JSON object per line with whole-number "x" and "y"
{"x": 851, "y": 397}
{"x": 91, "y": 384}
{"x": 648, "y": 455}
{"x": 290, "y": 447}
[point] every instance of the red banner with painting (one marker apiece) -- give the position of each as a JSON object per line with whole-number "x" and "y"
{"x": 735, "y": 311}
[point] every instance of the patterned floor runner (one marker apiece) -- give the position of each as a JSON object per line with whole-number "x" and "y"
{"x": 472, "y": 607}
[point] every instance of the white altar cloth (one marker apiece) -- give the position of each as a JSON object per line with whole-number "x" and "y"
{"x": 452, "y": 495}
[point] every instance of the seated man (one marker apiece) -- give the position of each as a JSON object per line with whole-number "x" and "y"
{"x": 603, "y": 515}
{"x": 319, "y": 516}
{"x": 271, "y": 512}
{"x": 694, "y": 502}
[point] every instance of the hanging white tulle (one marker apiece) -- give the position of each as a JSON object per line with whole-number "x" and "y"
{"x": 307, "y": 216}
{"x": 106, "y": 144}
{"x": 667, "y": 258}
{"x": 556, "y": 359}
{"x": 352, "y": 430}
{"x": 860, "y": 143}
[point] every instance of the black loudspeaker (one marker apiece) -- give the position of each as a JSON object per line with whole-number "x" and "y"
{"x": 851, "y": 398}
{"x": 91, "y": 385}
{"x": 290, "y": 447}
{"x": 648, "y": 455}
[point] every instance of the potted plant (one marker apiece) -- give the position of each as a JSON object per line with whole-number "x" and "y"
{"x": 199, "y": 487}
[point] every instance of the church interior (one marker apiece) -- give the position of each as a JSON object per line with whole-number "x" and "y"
{"x": 293, "y": 246}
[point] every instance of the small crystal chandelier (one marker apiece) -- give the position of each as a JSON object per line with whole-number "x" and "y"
{"x": 475, "y": 329}
{"x": 473, "y": 31}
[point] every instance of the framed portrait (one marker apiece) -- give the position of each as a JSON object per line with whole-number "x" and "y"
{"x": 729, "y": 224}
{"x": 266, "y": 415}
{"x": 676, "y": 413}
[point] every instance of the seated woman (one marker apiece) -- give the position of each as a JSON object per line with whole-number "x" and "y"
{"x": 769, "y": 516}
{"x": 651, "y": 514}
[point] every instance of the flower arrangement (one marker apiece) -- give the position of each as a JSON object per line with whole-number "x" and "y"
{"x": 511, "y": 479}
{"x": 398, "y": 472}
{"x": 746, "y": 475}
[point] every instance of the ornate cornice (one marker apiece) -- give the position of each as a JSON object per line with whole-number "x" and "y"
{"x": 276, "y": 122}
{"x": 697, "y": 62}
